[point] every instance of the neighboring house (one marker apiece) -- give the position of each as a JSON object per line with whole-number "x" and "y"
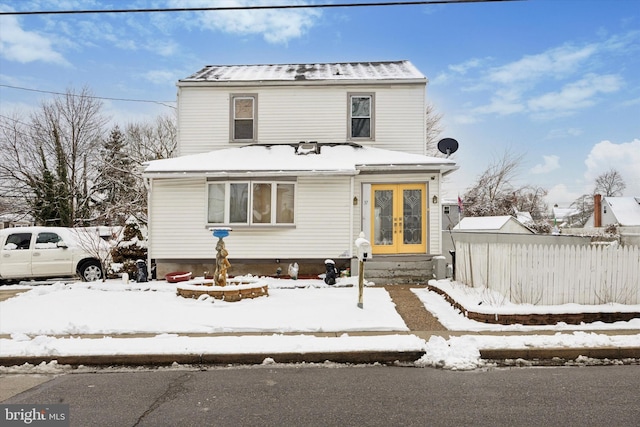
{"x": 563, "y": 217}
{"x": 12, "y": 220}
{"x": 623, "y": 211}
{"x": 451, "y": 214}
{"x": 297, "y": 160}
{"x": 492, "y": 224}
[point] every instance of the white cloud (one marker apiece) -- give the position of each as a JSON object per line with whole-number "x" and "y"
{"x": 623, "y": 157}
{"x": 554, "y": 83}
{"x": 463, "y": 67}
{"x": 551, "y": 163}
{"x": 23, "y": 46}
{"x": 162, "y": 77}
{"x": 555, "y": 62}
{"x": 564, "y": 133}
{"x": 576, "y": 95}
{"x": 275, "y": 25}
{"x": 560, "y": 195}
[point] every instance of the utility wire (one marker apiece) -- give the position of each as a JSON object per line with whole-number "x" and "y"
{"x": 89, "y": 96}
{"x": 258, "y": 7}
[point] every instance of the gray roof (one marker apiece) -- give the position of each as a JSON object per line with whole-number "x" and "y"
{"x": 334, "y": 72}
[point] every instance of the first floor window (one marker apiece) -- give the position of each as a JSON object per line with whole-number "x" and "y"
{"x": 251, "y": 203}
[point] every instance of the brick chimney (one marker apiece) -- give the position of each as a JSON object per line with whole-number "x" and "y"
{"x": 597, "y": 210}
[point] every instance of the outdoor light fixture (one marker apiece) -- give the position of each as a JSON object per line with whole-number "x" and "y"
{"x": 355, "y": 201}
{"x": 435, "y": 200}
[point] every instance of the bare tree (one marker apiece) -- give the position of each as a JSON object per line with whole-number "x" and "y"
{"x": 610, "y": 184}
{"x": 434, "y": 129}
{"x": 153, "y": 141}
{"x": 583, "y": 206}
{"x": 493, "y": 193}
{"x": 532, "y": 199}
{"x": 48, "y": 161}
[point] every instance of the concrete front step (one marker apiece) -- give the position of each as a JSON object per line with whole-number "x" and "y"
{"x": 386, "y": 270}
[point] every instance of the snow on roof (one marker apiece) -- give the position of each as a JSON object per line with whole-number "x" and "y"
{"x": 345, "y": 71}
{"x": 483, "y": 222}
{"x": 625, "y": 209}
{"x": 345, "y": 159}
{"x": 562, "y": 213}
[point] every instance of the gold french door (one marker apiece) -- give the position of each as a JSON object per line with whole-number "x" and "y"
{"x": 398, "y": 218}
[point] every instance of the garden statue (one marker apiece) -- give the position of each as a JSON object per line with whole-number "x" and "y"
{"x": 222, "y": 263}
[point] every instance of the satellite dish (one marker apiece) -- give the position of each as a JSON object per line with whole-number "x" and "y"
{"x": 448, "y": 146}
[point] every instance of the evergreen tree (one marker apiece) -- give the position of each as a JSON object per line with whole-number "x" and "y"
{"x": 130, "y": 248}
{"x": 114, "y": 185}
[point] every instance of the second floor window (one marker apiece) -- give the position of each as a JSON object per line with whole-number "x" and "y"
{"x": 361, "y": 116}
{"x": 243, "y": 121}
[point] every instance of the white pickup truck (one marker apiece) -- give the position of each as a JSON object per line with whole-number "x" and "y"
{"x": 50, "y": 252}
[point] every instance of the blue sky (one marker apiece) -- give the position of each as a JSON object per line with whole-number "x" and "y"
{"x": 557, "y": 81}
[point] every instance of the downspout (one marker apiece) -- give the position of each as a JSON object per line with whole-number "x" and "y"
{"x": 148, "y": 183}
{"x": 352, "y": 212}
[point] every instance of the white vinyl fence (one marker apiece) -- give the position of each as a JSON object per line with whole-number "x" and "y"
{"x": 551, "y": 274}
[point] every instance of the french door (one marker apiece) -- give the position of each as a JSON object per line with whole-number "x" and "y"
{"x": 398, "y": 218}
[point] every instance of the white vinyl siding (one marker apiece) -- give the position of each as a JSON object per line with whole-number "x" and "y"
{"x": 303, "y": 113}
{"x": 177, "y": 209}
{"x": 179, "y": 228}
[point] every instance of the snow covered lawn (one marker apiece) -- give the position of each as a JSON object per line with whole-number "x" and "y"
{"x": 116, "y": 308}
{"x": 35, "y": 319}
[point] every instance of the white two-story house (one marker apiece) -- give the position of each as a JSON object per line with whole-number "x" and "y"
{"x": 297, "y": 160}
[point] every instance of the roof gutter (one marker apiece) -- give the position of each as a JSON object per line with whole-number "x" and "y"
{"x": 444, "y": 168}
{"x": 302, "y": 82}
{"x": 248, "y": 173}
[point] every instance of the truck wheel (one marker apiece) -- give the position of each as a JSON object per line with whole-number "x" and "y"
{"x": 90, "y": 271}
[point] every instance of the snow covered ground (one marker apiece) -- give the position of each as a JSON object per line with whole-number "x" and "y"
{"x": 48, "y": 320}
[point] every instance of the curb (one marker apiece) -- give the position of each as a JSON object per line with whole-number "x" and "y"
{"x": 561, "y": 353}
{"x": 354, "y": 357}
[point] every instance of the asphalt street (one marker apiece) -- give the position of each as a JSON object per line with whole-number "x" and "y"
{"x": 339, "y": 395}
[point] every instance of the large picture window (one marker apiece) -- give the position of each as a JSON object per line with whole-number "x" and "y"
{"x": 251, "y": 203}
{"x": 361, "y": 109}
{"x": 243, "y": 117}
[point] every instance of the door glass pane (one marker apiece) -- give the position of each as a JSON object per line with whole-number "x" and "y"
{"x": 261, "y": 203}
{"x": 383, "y": 217}
{"x": 215, "y": 210}
{"x": 284, "y": 204}
{"x": 412, "y": 217}
{"x": 239, "y": 202}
